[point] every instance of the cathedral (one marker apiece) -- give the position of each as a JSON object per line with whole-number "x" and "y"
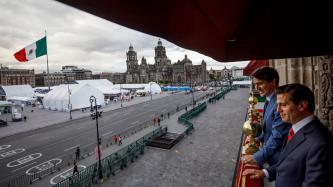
{"x": 163, "y": 70}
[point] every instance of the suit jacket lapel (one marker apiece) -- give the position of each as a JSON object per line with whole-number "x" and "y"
{"x": 298, "y": 139}
{"x": 269, "y": 107}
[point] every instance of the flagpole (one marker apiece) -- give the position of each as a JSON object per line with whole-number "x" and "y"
{"x": 47, "y": 63}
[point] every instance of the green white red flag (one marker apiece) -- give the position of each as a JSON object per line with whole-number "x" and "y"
{"x": 32, "y": 51}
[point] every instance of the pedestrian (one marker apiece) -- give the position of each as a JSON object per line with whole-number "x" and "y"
{"x": 168, "y": 115}
{"x": 154, "y": 121}
{"x": 164, "y": 133}
{"x": 75, "y": 169}
{"x": 22, "y": 107}
{"x": 77, "y": 153}
{"x": 177, "y": 109}
{"x": 186, "y": 108}
{"x": 306, "y": 159}
{"x": 159, "y": 122}
{"x": 115, "y": 139}
{"x": 162, "y": 116}
{"x": 120, "y": 140}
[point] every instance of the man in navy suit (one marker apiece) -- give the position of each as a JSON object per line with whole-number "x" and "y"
{"x": 306, "y": 159}
{"x": 266, "y": 80}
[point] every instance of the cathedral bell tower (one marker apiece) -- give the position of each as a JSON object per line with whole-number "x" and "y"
{"x": 132, "y": 61}
{"x": 161, "y": 58}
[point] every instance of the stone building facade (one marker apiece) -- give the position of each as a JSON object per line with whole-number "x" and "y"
{"x": 16, "y": 76}
{"x": 73, "y": 73}
{"x": 226, "y": 74}
{"x": 316, "y": 73}
{"x": 103, "y": 75}
{"x": 55, "y": 79}
{"x": 163, "y": 70}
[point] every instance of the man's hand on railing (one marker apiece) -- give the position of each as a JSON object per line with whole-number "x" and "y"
{"x": 248, "y": 159}
{"x": 254, "y": 173}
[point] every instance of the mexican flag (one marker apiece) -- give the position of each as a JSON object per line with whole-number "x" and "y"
{"x": 32, "y": 51}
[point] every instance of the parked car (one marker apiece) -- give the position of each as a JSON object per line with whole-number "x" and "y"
{"x": 17, "y": 116}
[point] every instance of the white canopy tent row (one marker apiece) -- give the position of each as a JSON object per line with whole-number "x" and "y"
{"x": 58, "y": 98}
{"x": 151, "y": 86}
{"x": 104, "y": 85}
{"x": 18, "y": 91}
{"x": 18, "y": 94}
{"x": 244, "y": 83}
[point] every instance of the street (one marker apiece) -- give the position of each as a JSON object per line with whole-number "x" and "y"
{"x": 21, "y": 153}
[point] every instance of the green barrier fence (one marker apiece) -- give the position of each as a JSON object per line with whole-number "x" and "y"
{"x": 110, "y": 165}
{"x": 222, "y": 92}
{"x": 190, "y": 114}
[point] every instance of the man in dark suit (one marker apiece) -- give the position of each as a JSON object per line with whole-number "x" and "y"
{"x": 306, "y": 159}
{"x": 266, "y": 80}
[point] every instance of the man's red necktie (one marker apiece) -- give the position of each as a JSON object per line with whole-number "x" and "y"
{"x": 290, "y": 134}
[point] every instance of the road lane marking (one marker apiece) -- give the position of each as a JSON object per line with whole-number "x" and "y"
{"x": 65, "y": 174}
{"x": 3, "y": 147}
{"x": 11, "y": 153}
{"x": 23, "y": 167}
{"x": 43, "y": 166}
{"x": 32, "y": 135}
{"x": 75, "y": 146}
{"x": 24, "y": 160}
{"x": 87, "y": 145}
{"x": 81, "y": 127}
{"x": 107, "y": 133}
{"x": 135, "y": 122}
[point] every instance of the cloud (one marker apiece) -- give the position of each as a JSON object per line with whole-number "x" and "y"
{"x": 76, "y": 38}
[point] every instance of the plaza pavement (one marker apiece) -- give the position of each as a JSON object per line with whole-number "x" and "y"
{"x": 207, "y": 157}
{"x": 171, "y": 123}
{"x": 40, "y": 118}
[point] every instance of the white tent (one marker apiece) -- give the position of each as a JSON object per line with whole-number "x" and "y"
{"x": 58, "y": 98}
{"x": 154, "y": 87}
{"x": 243, "y": 83}
{"x": 104, "y": 85}
{"x": 18, "y": 91}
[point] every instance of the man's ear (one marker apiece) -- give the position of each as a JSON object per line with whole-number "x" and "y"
{"x": 273, "y": 82}
{"x": 303, "y": 105}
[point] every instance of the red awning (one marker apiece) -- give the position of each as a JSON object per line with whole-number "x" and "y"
{"x": 253, "y": 65}
{"x": 227, "y": 30}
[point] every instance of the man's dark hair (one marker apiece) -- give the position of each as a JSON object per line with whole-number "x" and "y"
{"x": 267, "y": 74}
{"x": 297, "y": 93}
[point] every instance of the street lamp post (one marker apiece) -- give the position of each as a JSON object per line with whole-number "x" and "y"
{"x": 121, "y": 97}
{"x": 95, "y": 116}
{"x": 69, "y": 101}
{"x": 192, "y": 90}
{"x": 151, "y": 94}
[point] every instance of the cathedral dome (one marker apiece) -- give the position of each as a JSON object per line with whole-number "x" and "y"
{"x": 131, "y": 47}
{"x": 186, "y": 60}
{"x": 143, "y": 61}
{"x": 159, "y": 43}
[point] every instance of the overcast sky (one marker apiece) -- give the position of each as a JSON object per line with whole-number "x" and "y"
{"x": 78, "y": 38}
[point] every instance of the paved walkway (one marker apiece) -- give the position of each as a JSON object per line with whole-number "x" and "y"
{"x": 205, "y": 158}
{"x": 171, "y": 123}
{"x": 38, "y": 118}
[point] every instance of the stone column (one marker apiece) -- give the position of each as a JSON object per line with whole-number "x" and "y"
{"x": 325, "y": 79}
